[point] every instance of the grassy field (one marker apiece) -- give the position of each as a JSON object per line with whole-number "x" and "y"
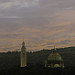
{"x": 10, "y": 63}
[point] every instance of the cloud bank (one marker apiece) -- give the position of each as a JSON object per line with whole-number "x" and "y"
{"x": 40, "y": 23}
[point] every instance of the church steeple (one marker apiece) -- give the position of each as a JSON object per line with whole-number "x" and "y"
{"x": 23, "y": 43}
{"x": 54, "y": 50}
{"x": 23, "y": 46}
{"x": 54, "y": 47}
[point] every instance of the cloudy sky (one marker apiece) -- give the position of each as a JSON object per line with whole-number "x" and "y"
{"x": 40, "y": 23}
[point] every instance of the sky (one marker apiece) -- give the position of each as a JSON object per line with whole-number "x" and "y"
{"x": 40, "y": 23}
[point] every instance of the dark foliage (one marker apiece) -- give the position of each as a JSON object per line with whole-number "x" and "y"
{"x": 10, "y": 63}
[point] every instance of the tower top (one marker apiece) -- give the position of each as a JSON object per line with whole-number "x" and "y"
{"x": 23, "y": 43}
{"x": 54, "y": 48}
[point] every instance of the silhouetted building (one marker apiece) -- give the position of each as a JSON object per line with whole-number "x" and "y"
{"x": 23, "y": 55}
{"x": 54, "y": 60}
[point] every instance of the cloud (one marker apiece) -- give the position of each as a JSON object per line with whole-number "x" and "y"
{"x": 39, "y": 22}
{"x": 18, "y": 3}
{"x": 32, "y": 8}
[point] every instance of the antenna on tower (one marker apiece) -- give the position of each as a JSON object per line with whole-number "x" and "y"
{"x": 54, "y": 47}
{"x": 19, "y": 45}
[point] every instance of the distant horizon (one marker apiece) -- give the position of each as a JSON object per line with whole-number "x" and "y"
{"x": 37, "y": 50}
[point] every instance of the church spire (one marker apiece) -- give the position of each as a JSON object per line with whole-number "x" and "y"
{"x": 23, "y": 43}
{"x": 54, "y": 48}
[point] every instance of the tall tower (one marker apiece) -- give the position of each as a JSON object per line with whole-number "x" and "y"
{"x": 23, "y": 55}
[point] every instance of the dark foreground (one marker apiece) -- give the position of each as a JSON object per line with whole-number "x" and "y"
{"x": 10, "y": 63}
{"x": 38, "y": 70}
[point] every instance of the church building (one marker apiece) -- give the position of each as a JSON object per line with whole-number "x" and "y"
{"x": 54, "y": 60}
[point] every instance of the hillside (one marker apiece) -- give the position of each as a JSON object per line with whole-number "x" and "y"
{"x": 10, "y": 62}
{"x": 68, "y": 55}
